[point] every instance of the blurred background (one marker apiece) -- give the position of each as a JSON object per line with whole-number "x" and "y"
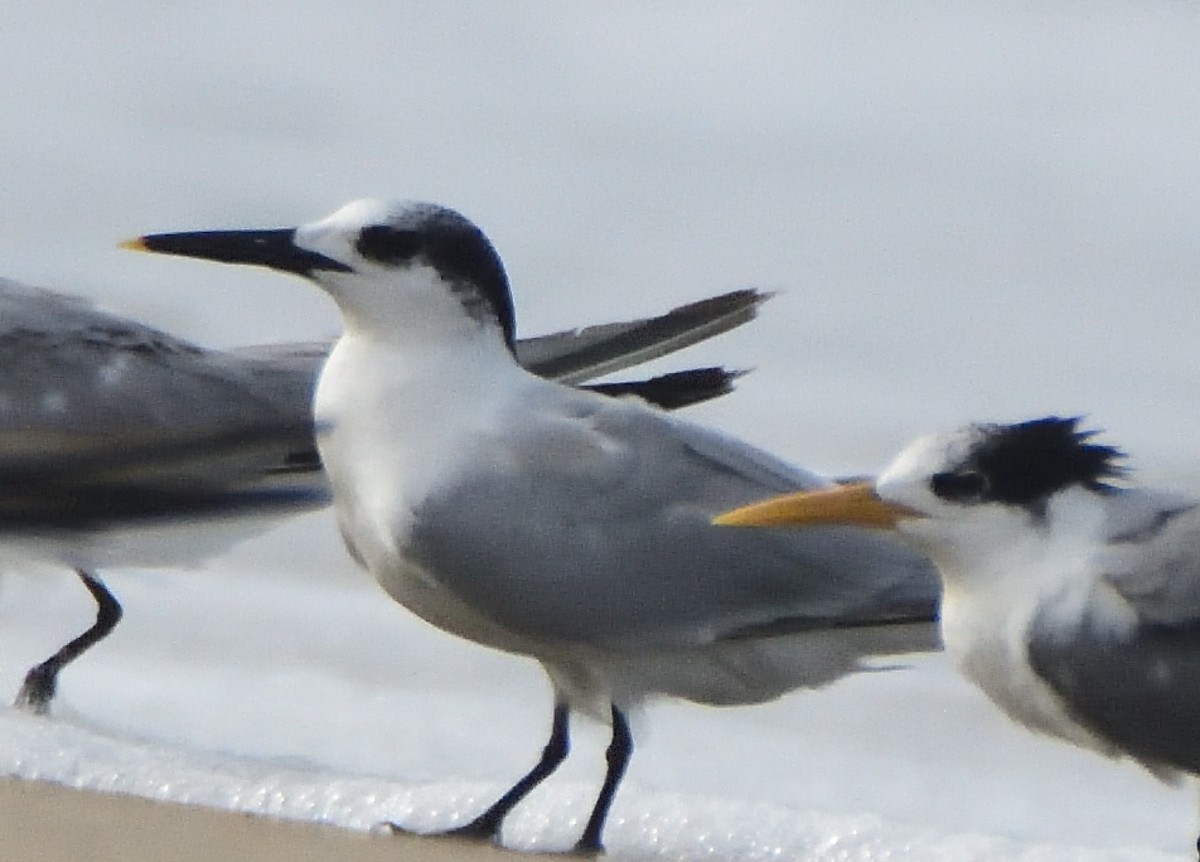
{"x": 970, "y": 212}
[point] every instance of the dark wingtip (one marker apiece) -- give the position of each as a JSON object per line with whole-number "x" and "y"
{"x": 677, "y": 389}
{"x": 742, "y": 301}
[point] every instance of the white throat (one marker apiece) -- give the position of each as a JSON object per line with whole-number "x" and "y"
{"x": 398, "y": 409}
{"x": 412, "y": 309}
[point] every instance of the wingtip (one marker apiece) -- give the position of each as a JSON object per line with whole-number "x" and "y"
{"x": 745, "y": 300}
{"x": 763, "y": 295}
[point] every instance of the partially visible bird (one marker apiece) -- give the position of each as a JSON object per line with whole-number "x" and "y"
{"x": 1070, "y": 598}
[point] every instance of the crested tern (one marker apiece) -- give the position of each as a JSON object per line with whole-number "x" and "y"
{"x": 538, "y": 519}
{"x": 1071, "y": 600}
{"x": 111, "y": 431}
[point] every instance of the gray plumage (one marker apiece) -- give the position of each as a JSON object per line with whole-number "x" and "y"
{"x": 634, "y": 545}
{"x": 112, "y": 422}
{"x": 608, "y": 347}
{"x": 1135, "y": 687}
{"x": 70, "y": 366}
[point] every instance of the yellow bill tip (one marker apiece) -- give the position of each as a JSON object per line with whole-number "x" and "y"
{"x": 138, "y": 243}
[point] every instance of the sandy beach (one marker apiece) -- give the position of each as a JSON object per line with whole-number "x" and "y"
{"x": 50, "y": 822}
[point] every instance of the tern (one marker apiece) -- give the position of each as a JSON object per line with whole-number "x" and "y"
{"x": 1069, "y": 597}
{"x": 553, "y": 523}
{"x": 112, "y": 431}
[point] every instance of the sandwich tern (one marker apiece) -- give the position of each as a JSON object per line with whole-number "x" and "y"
{"x": 538, "y": 519}
{"x": 1071, "y": 601}
{"x": 112, "y": 431}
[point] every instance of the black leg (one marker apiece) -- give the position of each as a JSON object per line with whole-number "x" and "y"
{"x": 42, "y": 680}
{"x": 486, "y": 826}
{"x": 620, "y": 749}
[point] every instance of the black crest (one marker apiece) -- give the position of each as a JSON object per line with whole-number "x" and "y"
{"x": 1025, "y": 463}
{"x": 456, "y": 248}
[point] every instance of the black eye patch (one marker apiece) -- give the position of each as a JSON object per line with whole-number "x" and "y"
{"x": 388, "y": 245}
{"x": 964, "y": 487}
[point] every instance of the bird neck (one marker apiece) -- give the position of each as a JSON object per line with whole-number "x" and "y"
{"x": 426, "y": 371}
{"x": 415, "y": 310}
{"x": 435, "y": 328}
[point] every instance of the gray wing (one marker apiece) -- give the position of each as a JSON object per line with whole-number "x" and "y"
{"x": 67, "y": 366}
{"x": 577, "y": 355}
{"x": 1137, "y": 686}
{"x": 583, "y": 354}
{"x": 73, "y": 481}
{"x": 1137, "y": 690}
{"x": 1151, "y": 555}
{"x": 594, "y": 527}
{"x": 85, "y": 390}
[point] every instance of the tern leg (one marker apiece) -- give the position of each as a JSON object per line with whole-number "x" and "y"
{"x": 42, "y": 680}
{"x": 620, "y": 749}
{"x": 487, "y": 825}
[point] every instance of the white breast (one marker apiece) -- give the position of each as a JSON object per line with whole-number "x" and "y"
{"x": 392, "y": 426}
{"x": 990, "y": 601}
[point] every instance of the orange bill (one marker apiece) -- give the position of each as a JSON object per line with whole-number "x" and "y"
{"x": 849, "y": 505}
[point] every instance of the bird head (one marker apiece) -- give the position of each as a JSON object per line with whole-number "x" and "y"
{"x": 966, "y": 495}
{"x": 392, "y": 267}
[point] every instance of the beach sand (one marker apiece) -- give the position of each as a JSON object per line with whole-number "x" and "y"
{"x": 52, "y": 823}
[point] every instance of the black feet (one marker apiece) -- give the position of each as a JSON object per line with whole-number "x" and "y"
{"x": 37, "y": 690}
{"x": 42, "y": 680}
{"x": 486, "y": 827}
{"x": 486, "y": 830}
{"x": 480, "y": 829}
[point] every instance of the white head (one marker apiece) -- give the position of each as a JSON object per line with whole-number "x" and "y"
{"x": 394, "y": 268}
{"x": 980, "y": 488}
{"x": 963, "y": 496}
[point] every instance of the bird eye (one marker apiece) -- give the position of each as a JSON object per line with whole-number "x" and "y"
{"x": 965, "y": 487}
{"x": 387, "y": 245}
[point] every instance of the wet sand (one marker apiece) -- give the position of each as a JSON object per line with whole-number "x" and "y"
{"x": 52, "y": 823}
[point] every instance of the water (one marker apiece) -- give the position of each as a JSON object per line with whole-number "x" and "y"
{"x": 970, "y": 212}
